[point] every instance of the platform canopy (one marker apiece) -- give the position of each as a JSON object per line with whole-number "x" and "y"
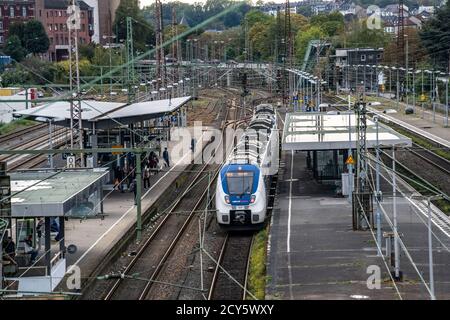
{"x": 307, "y": 131}
{"x": 104, "y": 115}
{"x": 50, "y": 194}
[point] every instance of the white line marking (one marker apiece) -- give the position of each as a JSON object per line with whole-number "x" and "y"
{"x": 288, "y": 239}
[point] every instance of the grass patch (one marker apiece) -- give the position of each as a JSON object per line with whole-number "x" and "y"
{"x": 257, "y": 269}
{"x": 15, "y": 125}
{"x": 424, "y": 143}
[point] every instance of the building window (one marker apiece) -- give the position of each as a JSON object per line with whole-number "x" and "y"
{"x": 11, "y": 12}
{"x": 56, "y": 27}
{"x": 24, "y": 11}
{"x": 363, "y": 57}
{"x": 1, "y": 39}
{"x": 1, "y": 25}
{"x": 50, "y": 27}
{"x": 60, "y": 13}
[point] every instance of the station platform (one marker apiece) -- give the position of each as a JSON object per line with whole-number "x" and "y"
{"x": 423, "y": 119}
{"x": 94, "y": 238}
{"x": 313, "y": 251}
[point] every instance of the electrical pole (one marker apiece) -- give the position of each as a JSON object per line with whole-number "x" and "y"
{"x": 160, "y": 62}
{"x": 130, "y": 61}
{"x": 362, "y": 201}
{"x": 76, "y": 125}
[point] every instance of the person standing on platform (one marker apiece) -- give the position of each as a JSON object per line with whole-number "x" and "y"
{"x": 147, "y": 177}
{"x": 166, "y": 157}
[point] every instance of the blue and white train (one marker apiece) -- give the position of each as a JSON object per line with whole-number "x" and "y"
{"x": 243, "y": 183}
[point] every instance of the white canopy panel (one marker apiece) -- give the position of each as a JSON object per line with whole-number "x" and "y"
{"x": 321, "y": 131}
{"x": 104, "y": 114}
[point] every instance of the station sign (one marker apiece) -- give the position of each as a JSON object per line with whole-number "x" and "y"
{"x": 117, "y": 147}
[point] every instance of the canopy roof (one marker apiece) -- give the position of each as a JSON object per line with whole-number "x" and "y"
{"x": 321, "y": 131}
{"x": 105, "y": 115}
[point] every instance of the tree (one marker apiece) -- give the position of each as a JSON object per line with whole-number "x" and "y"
{"x": 361, "y": 36}
{"x": 255, "y": 16}
{"x": 17, "y": 28}
{"x": 435, "y": 36}
{"x": 35, "y": 39}
{"x": 332, "y": 24}
{"x": 42, "y": 72}
{"x": 416, "y": 51}
{"x": 14, "y": 48}
{"x": 143, "y": 33}
{"x": 17, "y": 76}
{"x": 304, "y": 37}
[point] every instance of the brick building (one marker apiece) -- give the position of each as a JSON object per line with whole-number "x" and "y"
{"x": 53, "y": 16}
{"x": 104, "y": 15}
{"x": 14, "y": 11}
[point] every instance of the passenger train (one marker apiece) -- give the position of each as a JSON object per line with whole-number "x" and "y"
{"x": 244, "y": 180}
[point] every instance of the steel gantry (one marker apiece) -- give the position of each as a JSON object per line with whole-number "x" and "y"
{"x": 76, "y": 126}
{"x": 362, "y": 196}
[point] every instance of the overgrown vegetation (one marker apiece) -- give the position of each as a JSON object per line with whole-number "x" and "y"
{"x": 424, "y": 143}
{"x": 6, "y": 128}
{"x": 257, "y": 270}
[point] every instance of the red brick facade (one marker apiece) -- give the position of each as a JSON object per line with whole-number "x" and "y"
{"x": 12, "y": 11}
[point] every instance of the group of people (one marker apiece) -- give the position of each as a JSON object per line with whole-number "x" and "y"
{"x": 128, "y": 174}
{"x": 9, "y": 249}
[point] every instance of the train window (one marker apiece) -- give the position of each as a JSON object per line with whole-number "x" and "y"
{"x": 240, "y": 183}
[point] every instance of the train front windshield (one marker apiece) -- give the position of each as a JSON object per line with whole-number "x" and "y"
{"x": 240, "y": 183}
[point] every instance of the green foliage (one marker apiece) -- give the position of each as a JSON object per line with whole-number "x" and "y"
{"x": 63, "y": 68}
{"x": 102, "y": 57}
{"x": 35, "y": 39}
{"x": 257, "y": 270}
{"x": 304, "y": 37}
{"x": 17, "y": 28}
{"x": 87, "y": 51}
{"x": 255, "y": 16}
{"x": 361, "y": 36}
{"x": 435, "y": 36}
{"x": 15, "y": 125}
{"x": 41, "y": 71}
{"x": 332, "y": 24}
{"x": 14, "y": 48}
{"x": 197, "y": 13}
{"x": 143, "y": 32}
{"x": 15, "y": 77}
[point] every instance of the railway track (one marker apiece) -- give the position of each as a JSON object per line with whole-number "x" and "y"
{"x": 230, "y": 275}
{"x": 157, "y": 248}
{"x": 432, "y": 158}
{"x": 30, "y": 161}
{"x": 7, "y": 138}
{"x": 142, "y": 272}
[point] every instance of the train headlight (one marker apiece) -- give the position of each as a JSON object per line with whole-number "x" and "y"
{"x": 227, "y": 199}
{"x": 253, "y": 199}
